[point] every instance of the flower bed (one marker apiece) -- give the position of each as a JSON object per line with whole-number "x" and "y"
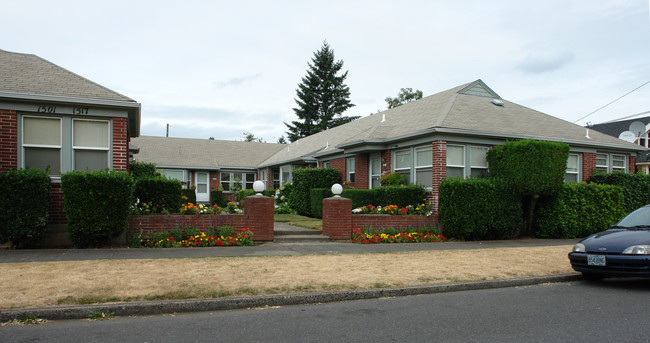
{"x": 422, "y": 209}
{"x": 169, "y": 239}
{"x": 370, "y": 236}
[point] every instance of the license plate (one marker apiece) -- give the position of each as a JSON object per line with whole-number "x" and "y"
{"x": 596, "y": 260}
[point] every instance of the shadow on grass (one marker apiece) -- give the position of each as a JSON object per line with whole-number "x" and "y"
{"x": 300, "y": 221}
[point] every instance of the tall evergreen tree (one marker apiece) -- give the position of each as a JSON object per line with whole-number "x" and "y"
{"x": 322, "y": 96}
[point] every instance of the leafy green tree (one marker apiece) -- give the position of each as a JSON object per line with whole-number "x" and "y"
{"x": 532, "y": 168}
{"x": 282, "y": 140}
{"x": 405, "y": 95}
{"x": 249, "y": 137}
{"x": 322, "y": 96}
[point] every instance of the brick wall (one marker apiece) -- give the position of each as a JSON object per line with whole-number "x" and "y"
{"x": 439, "y": 171}
{"x": 338, "y": 220}
{"x": 57, "y": 216}
{"x": 8, "y": 140}
{"x": 588, "y": 165}
{"x": 632, "y": 164}
{"x": 258, "y": 216}
{"x": 120, "y": 144}
{"x": 385, "y": 162}
{"x": 339, "y": 164}
{"x": 361, "y": 175}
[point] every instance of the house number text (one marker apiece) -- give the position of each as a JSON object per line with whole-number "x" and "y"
{"x": 46, "y": 109}
{"x": 80, "y": 110}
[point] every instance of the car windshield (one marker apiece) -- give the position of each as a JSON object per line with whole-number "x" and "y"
{"x": 638, "y": 218}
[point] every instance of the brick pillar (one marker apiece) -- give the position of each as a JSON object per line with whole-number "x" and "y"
{"x": 439, "y": 171}
{"x": 588, "y": 165}
{"x": 632, "y": 165}
{"x": 337, "y": 218}
{"x": 259, "y": 210}
{"x": 8, "y": 141}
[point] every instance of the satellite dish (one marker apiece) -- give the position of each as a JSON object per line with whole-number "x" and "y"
{"x": 638, "y": 128}
{"x": 627, "y": 136}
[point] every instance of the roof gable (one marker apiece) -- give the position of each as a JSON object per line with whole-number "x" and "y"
{"x": 479, "y": 88}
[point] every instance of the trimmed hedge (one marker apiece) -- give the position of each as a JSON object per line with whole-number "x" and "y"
{"x": 361, "y": 197}
{"x": 97, "y": 205}
{"x": 218, "y": 198}
{"x": 635, "y": 187}
{"x": 25, "y": 205}
{"x": 164, "y": 194}
{"x": 579, "y": 210}
{"x": 306, "y": 179}
{"x": 190, "y": 194}
{"x": 142, "y": 170}
{"x": 401, "y": 196}
{"x": 316, "y": 196}
{"x": 477, "y": 209}
{"x": 531, "y": 167}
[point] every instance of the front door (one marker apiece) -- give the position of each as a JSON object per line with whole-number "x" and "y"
{"x": 202, "y": 189}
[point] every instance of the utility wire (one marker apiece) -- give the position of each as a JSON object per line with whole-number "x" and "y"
{"x": 617, "y": 99}
{"x": 626, "y": 117}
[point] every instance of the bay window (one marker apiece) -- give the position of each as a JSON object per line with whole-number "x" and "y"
{"x": 403, "y": 164}
{"x": 478, "y": 161}
{"x": 456, "y": 161}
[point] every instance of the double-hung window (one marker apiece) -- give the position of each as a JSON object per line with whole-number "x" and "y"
{"x": 41, "y": 143}
{"x": 349, "y": 167}
{"x": 423, "y": 166}
{"x": 403, "y": 164}
{"x": 456, "y": 161}
{"x": 572, "y": 168}
{"x": 478, "y": 160}
{"x": 602, "y": 163}
{"x": 237, "y": 180}
{"x": 90, "y": 144}
{"x": 618, "y": 163}
{"x": 611, "y": 162}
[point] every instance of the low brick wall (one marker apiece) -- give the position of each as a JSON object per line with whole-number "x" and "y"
{"x": 338, "y": 220}
{"x": 380, "y": 221}
{"x": 258, "y": 216}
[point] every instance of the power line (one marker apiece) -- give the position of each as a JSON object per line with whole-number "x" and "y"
{"x": 617, "y": 99}
{"x": 626, "y": 117}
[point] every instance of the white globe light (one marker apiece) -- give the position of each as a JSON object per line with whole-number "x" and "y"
{"x": 337, "y": 189}
{"x": 258, "y": 186}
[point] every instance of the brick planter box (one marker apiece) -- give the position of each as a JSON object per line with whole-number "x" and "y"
{"x": 380, "y": 221}
{"x": 258, "y": 216}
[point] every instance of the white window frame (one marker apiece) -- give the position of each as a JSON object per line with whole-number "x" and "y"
{"x": 24, "y": 145}
{"x": 602, "y": 167}
{"x": 408, "y": 170}
{"x": 616, "y": 168}
{"x": 472, "y": 167}
{"x": 241, "y": 175}
{"x": 163, "y": 171}
{"x": 464, "y": 159}
{"x": 75, "y": 148}
{"x": 576, "y": 172}
{"x": 609, "y": 160}
{"x": 422, "y": 167}
{"x": 326, "y": 164}
{"x": 350, "y": 169}
{"x": 372, "y": 173}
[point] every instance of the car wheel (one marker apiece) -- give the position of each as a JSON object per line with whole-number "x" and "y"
{"x": 592, "y": 276}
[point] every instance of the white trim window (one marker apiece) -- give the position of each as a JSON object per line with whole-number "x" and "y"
{"x": 611, "y": 162}
{"x": 349, "y": 169}
{"x": 572, "y": 168}
{"x": 424, "y": 166}
{"x": 403, "y": 162}
{"x": 90, "y": 144}
{"x": 619, "y": 163}
{"x": 41, "y": 143}
{"x": 375, "y": 170}
{"x": 456, "y": 161}
{"x": 326, "y": 164}
{"x": 602, "y": 163}
{"x": 478, "y": 161}
{"x": 174, "y": 174}
{"x": 243, "y": 180}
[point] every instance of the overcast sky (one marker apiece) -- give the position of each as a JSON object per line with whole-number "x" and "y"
{"x": 222, "y": 68}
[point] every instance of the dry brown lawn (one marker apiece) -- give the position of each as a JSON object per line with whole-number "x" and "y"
{"x": 43, "y": 284}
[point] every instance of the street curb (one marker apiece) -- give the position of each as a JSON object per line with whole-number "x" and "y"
{"x": 233, "y": 303}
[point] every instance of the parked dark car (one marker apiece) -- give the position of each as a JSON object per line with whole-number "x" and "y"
{"x": 623, "y": 250}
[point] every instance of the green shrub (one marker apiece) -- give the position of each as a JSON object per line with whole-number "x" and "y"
{"x": 142, "y": 170}
{"x": 476, "y": 209}
{"x": 218, "y": 198}
{"x": 25, "y": 204}
{"x": 242, "y": 194}
{"x": 635, "y": 187}
{"x": 163, "y": 194}
{"x": 306, "y": 179}
{"x": 97, "y": 205}
{"x": 401, "y": 196}
{"x": 580, "y": 210}
{"x": 360, "y": 197}
{"x": 317, "y": 195}
{"x": 392, "y": 179}
{"x": 189, "y": 194}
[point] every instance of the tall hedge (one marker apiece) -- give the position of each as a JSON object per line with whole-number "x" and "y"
{"x": 142, "y": 170}
{"x": 24, "y": 206}
{"x": 97, "y": 205}
{"x": 477, "y": 209}
{"x": 306, "y": 179}
{"x": 164, "y": 194}
{"x": 579, "y": 210}
{"x": 532, "y": 168}
{"x": 635, "y": 187}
